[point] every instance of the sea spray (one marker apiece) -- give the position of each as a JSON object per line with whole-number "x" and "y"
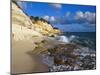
{"x": 72, "y": 37}
{"x": 63, "y": 39}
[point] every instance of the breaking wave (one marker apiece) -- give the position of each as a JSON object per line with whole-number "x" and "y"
{"x": 65, "y": 39}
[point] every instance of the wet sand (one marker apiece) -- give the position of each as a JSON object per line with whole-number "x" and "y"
{"x": 22, "y": 62}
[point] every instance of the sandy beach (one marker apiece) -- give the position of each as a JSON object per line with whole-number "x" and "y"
{"x": 22, "y": 62}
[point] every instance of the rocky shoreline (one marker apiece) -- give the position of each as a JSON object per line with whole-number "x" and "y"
{"x": 69, "y": 57}
{"x": 66, "y": 60}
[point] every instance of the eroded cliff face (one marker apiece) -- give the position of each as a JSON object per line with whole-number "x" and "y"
{"x": 24, "y": 28}
{"x": 19, "y": 17}
{"x": 45, "y": 28}
{"x": 21, "y": 25}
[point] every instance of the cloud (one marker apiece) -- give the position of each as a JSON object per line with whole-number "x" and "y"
{"x": 78, "y": 17}
{"x": 46, "y": 18}
{"x": 68, "y": 14}
{"x": 49, "y": 18}
{"x": 87, "y": 16}
{"x": 52, "y": 18}
{"x": 57, "y": 6}
{"x": 90, "y": 17}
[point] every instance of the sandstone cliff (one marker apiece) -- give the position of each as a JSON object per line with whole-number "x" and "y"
{"x": 24, "y": 28}
{"x": 28, "y": 39}
{"x": 44, "y": 27}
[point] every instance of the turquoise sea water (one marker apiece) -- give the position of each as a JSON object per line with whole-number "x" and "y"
{"x": 85, "y": 38}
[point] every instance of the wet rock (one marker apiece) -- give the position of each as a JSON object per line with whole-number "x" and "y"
{"x": 88, "y": 62}
{"x": 70, "y": 57}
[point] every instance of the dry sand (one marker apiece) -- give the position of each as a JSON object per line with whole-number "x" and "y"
{"x": 22, "y": 62}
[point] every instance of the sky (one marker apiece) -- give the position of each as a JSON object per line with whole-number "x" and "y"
{"x": 67, "y": 17}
